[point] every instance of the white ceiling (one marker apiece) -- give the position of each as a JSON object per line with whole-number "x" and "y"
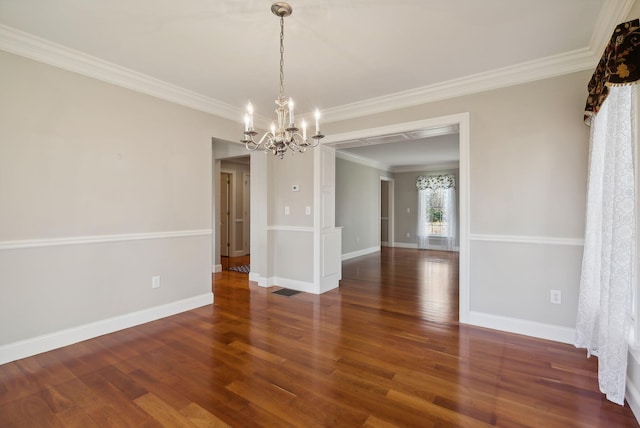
{"x": 405, "y": 150}
{"x": 347, "y": 57}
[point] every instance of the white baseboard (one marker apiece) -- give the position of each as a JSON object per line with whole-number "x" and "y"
{"x": 405, "y": 245}
{"x": 359, "y": 253}
{"x": 26, "y": 348}
{"x": 255, "y": 277}
{"x": 633, "y": 399}
{"x": 293, "y": 284}
{"x": 525, "y": 327}
{"x": 216, "y": 268}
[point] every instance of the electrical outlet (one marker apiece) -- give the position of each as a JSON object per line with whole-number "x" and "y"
{"x": 556, "y": 297}
{"x": 287, "y": 210}
{"x": 408, "y": 235}
{"x": 155, "y": 282}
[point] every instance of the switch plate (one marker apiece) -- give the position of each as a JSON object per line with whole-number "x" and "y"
{"x": 307, "y": 210}
{"x": 556, "y": 297}
{"x": 155, "y": 282}
{"x": 287, "y": 211}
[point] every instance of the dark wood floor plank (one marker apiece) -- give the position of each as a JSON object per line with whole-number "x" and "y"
{"x": 383, "y": 350}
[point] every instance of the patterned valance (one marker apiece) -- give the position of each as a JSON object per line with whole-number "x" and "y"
{"x": 435, "y": 182}
{"x": 619, "y": 65}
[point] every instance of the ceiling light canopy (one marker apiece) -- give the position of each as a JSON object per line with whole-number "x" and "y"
{"x": 284, "y": 134}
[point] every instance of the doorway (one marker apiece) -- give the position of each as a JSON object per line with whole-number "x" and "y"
{"x": 429, "y": 127}
{"x": 225, "y": 213}
{"x": 386, "y": 212}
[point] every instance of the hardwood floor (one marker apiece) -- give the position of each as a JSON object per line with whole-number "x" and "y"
{"x": 227, "y": 262}
{"x": 383, "y": 350}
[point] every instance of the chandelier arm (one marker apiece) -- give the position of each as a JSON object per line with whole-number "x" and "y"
{"x": 315, "y": 143}
{"x": 251, "y": 145}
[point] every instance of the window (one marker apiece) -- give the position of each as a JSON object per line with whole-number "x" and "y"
{"x": 436, "y": 221}
{"x": 436, "y": 211}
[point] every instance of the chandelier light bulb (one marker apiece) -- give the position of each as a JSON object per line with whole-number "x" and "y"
{"x": 291, "y": 121}
{"x": 317, "y": 117}
{"x": 250, "y": 116}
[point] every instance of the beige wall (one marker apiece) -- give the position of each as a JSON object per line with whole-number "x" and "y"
{"x": 81, "y": 158}
{"x": 358, "y": 204}
{"x": 528, "y": 162}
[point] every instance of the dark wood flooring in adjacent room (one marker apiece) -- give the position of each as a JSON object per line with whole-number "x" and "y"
{"x": 383, "y": 350}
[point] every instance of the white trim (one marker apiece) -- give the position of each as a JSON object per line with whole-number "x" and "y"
{"x": 398, "y": 128}
{"x": 525, "y": 327}
{"x": 26, "y": 348}
{"x": 83, "y": 240}
{"x": 358, "y": 253}
{"x": 216, "y": 268}
{"x": 255, "y": 277}
{"x": 39, "y": 49}
{"x": 410, "y": 245}
{"x": 633, "y": 398}
{"x": 540, "y": 240}
{"x": 33, "y": 47}
{"x": 463, "y": 121}
{"x": 391, "y": 228}
{"x": 293, "y": 284}
{"x": 291, "y": 228}
{"x": 544, "y": 68}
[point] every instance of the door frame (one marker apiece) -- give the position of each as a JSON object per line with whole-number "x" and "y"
{"x": 390, "y": 208}
{"x": 462, "y": 121}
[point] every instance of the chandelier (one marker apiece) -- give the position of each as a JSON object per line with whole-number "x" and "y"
{"x": 284, "y": 133}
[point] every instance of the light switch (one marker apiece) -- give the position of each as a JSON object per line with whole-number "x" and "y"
{"x": 307, "y": 210}
{"x": 287, "y": 211}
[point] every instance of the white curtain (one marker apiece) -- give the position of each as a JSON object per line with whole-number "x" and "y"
{"x": 447, "y": 231}
{"x": 608, "y": 265}
{"x": 424, "y": 196}
{"x": 449, "y": 214}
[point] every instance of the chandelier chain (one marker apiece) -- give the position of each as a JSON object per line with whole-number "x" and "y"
{"x": 281, "y": 56}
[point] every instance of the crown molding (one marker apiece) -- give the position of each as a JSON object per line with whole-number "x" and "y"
{"x": 578, "y": 60}
{"x": 27, "y": 45}
{"x": 33, "y": 47}
{"x": 612, "y": 13}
